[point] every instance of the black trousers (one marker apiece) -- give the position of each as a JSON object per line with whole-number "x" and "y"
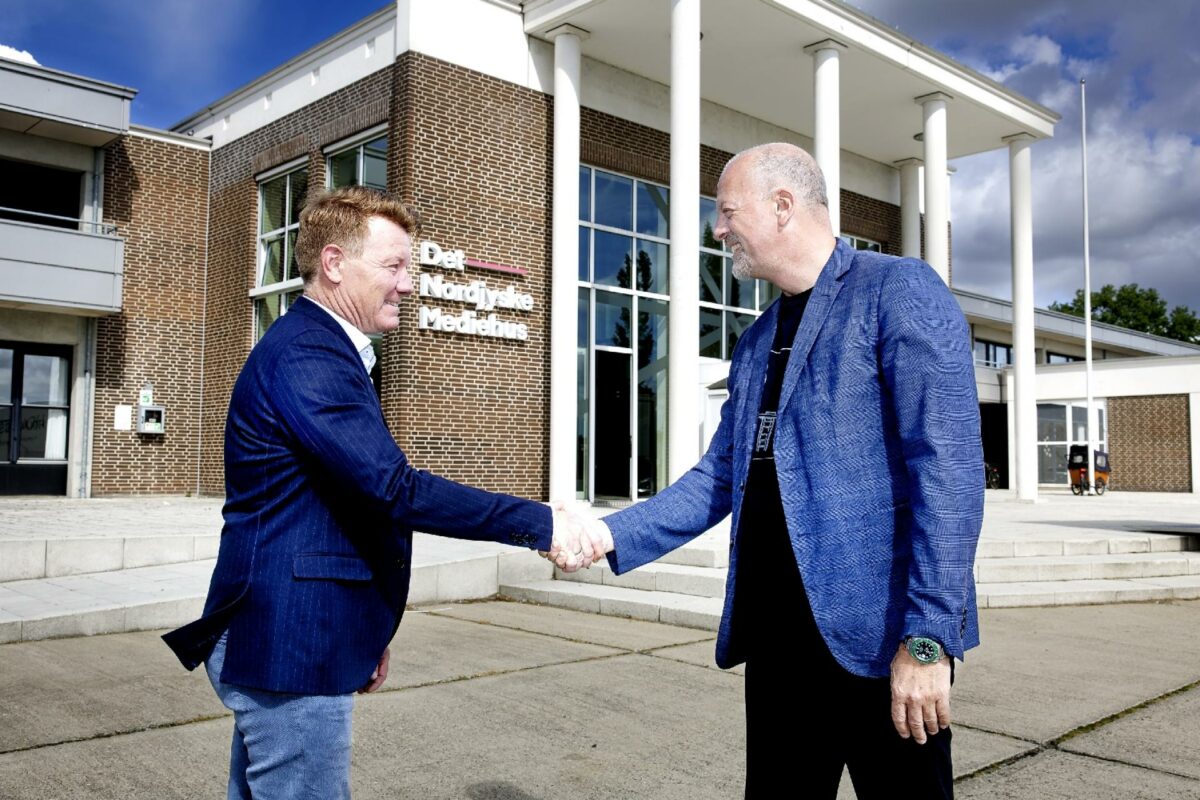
{"x": 806, "y": 717}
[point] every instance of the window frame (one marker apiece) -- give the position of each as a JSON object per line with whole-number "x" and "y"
{"x": 356, "y": 142}
{"x": 290, "y": 287}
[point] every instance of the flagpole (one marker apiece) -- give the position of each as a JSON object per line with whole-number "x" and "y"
{"x": 1087, "y": 295}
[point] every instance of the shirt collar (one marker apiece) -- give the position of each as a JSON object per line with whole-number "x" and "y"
{"x": 361, "y": 342}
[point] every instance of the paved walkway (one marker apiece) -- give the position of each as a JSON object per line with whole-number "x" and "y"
{"x": 503, "y": 701}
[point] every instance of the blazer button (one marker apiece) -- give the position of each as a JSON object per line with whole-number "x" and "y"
{"x": 400, "y": 563}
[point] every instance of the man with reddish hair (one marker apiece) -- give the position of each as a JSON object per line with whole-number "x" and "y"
{"x": 313, "y": 569}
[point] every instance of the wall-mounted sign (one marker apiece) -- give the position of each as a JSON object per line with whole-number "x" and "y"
{"x": 477, "y": 295}
{"x": 431, "y": 255}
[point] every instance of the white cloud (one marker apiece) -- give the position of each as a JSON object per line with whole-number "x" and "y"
{"x": 1037, "y": 50}
{"x": 13, "y": 54}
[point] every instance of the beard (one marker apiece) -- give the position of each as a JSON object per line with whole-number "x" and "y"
{"x": 742, "y": 268}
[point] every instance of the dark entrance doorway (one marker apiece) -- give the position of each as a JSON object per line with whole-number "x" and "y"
{"x": 993, "y": 424}
{"x": 613, "y": 450}
{"x": 35, "y": 399}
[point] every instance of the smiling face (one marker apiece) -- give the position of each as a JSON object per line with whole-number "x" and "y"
{"x": 746, "y": 220}
{"x": 373, "y": 283}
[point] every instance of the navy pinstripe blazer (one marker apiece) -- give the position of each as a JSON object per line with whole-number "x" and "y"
{"x": 313, "y": 568}
{"x": 880, "y": 464}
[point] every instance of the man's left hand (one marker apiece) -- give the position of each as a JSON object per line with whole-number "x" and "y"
{"x": 920, "y": 696}
{"x": 380, "y": 673}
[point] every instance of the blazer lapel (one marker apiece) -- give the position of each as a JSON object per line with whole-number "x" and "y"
{"x": 829, "y": 283}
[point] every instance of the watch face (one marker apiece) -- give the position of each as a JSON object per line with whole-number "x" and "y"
{"x": 927, "y": 651}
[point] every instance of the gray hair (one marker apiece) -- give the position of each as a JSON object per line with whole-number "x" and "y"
{"x": 780, "y": 164}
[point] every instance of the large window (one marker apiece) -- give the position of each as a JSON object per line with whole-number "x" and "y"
{"x": 1059, "y": 426}
{"x": 623, "y": 263}
{"x": 624, "y": 251}
{"x": 280, "y": 198}
{"x": 359, "y": 163}
{"x": 992, "y": 354}
{"x": 40, "y": 194}
{"x": 859, "y": 243}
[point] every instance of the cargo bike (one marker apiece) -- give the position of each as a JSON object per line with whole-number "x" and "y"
{"x": 1077, "y": 465}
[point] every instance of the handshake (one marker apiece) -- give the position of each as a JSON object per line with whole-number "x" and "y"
{"x": 579, "y": 539}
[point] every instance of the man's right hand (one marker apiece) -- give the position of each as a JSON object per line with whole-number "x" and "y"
{"x": 579, "y": 540}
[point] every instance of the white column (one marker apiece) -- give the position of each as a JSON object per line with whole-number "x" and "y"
{"x": 827, "y": 133}
{"x": 564, "y": 258}
{"x": 1024, "y": 398}
{"x": 683, "y": 327}
{"x": 937, "y": 213}
{"x": 910, "y": 207}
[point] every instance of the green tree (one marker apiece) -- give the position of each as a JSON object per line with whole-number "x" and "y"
{"x": 1133, "y": 307}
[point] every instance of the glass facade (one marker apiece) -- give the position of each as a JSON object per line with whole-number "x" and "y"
{"x": 624, "y": 305}
{"x": 624, "y": 255}
{"x": 1060, "y": 425}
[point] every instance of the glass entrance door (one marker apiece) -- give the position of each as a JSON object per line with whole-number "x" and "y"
{"x": 35, "y": 387}
{"x": 614, "y": 442}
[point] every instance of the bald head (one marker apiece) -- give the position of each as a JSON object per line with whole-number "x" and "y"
{"x": 780, "y": 165}
{"x": 773, "y": 216}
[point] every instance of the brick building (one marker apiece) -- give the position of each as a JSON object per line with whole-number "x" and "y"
{"x": 537, "y": 139}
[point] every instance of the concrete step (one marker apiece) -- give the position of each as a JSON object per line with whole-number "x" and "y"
{"x": 1090, "y": 545}
{"x": 618, "y": 601}
{"x": 709, "y": 549}
{"x": 705, "y": 612}
{"x": 656, "y": 577}
{"x": 1087, "y": 567}
{"x": 169, "y": 595}
{"x": 55, "y": 557}
{"x": 1087, "y": 592}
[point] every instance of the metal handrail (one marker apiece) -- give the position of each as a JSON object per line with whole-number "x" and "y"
{"x": 102, "y": 228}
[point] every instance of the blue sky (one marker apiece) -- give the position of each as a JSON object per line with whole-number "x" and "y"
{"x": 1141, "y": 61}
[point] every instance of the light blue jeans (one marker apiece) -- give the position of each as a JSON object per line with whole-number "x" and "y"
{"x": 285, "y": 745}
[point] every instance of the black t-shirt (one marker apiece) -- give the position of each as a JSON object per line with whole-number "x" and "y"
{"x": 768, "y": 581}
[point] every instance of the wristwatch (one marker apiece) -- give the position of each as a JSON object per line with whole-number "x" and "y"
{"x": 924, "y": 649}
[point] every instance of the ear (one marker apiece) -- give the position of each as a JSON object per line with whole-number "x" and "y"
{"x": 785, "y": 206}
{"x": 332, "y": 262}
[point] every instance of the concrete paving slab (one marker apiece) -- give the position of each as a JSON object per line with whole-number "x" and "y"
{"x": 178, "y": 763}
{"x": 66, "y": 689}
{"x": 1163, "y": 736}
{"x": 975, "y": 749}
{"x": 1042, "y": 672}
{"x": 702, "y": 654}
{"x": 1064, "y": 776}
{"x": 625, "y": 634}
{"x": 431, "y": 648}
{"x": 627, "y": 727}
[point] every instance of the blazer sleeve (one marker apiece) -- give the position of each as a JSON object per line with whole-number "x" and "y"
{"x": 928, "y": 368}
{"x": 324, "y": 398}
{"x": 701, "y": 498}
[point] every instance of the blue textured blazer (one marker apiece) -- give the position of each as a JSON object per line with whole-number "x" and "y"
{"x": 880, "y": 464}
{"x": 313, "y": 568}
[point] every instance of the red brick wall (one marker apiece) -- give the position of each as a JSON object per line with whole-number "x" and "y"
{"x": 157, "y": 196}
{"x": 1149, "y": 440}
{"x": 473, "y": 153}
{"x": 871, "y": 219}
